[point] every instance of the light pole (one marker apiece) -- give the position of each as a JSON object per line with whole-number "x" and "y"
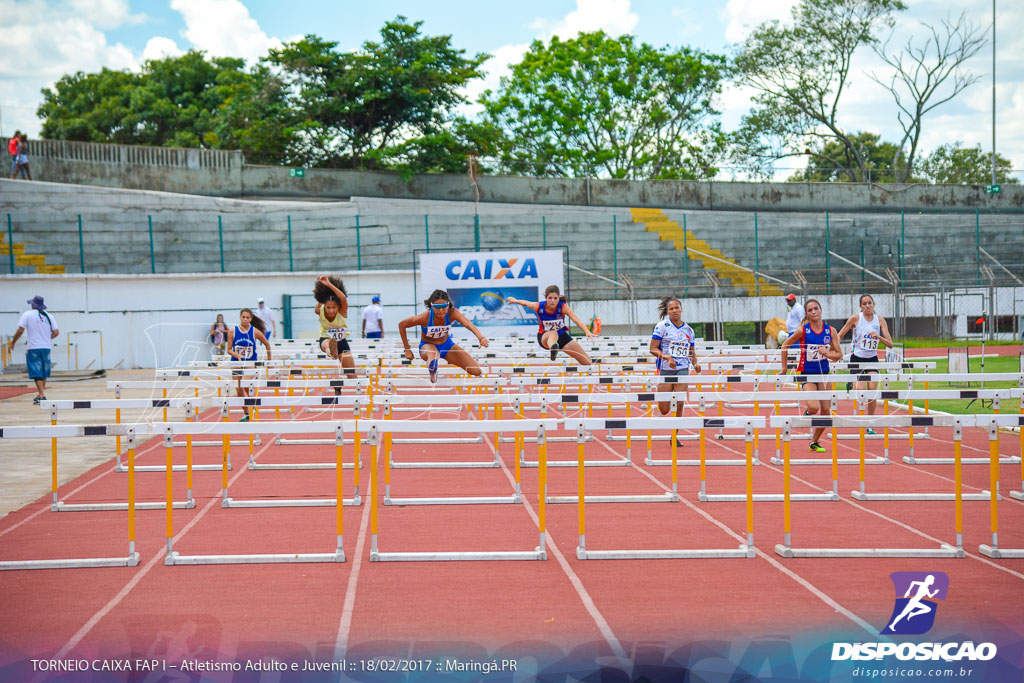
{"x": 993, "y": 92}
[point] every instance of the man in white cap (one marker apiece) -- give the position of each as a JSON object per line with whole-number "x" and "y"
{"x": 41, "y": 329}
{"x": 796, "y": 314}
{"x": 373, "y": 320}
{"x": 264, "y": 313}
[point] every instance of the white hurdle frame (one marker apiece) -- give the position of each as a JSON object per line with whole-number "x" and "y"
{"x": 993, "y": 422}
{"x": 746, "y": 550}
{"x": 786, "y": 549}
{"x": 53, "y": 432}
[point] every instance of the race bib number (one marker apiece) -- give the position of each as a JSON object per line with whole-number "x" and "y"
{"x": 869, "y": 343}
{"x": 336, "y": 333}
{"x": 244, "y": 352}
{"x": 437, "y": 331}
{"x": 552, "y": 325}
{"x": 816, "y": 353}
{"x": 678, "y": 349}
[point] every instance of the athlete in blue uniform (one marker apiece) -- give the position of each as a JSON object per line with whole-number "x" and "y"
{"x": 819, "y": 343}
{"x": 435, "y": 336}
{"x": 552, "y": 330}
{"x": 242, "y": 345}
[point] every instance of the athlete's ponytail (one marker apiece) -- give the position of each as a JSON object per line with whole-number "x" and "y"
{"x": 663, "y": 306}
{"x": 257, "y": 321}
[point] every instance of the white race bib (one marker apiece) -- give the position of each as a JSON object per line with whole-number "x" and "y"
{"x": 438, "y": 331}
{"x": 677, "y": 349}
{"x": 869, "y": 343}
{"x": 244, "y": 352}
{"x": 336, "y": 333}
{"x": 816, "y": 353}
{"x": 552, "y": 325}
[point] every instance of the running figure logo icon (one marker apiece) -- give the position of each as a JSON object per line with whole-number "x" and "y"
{"x": 914, "y": 611}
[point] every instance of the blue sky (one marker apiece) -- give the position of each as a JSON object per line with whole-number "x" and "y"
{"x": 47, "y": 38}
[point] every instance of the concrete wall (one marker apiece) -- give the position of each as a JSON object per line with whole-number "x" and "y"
{"x": 217, "y": 173}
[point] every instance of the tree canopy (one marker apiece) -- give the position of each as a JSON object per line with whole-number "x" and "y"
{"x": 595, "y": 105}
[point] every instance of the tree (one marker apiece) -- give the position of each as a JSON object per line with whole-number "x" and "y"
{"x": 358, "y": 109}
{"x": 918, "y": 78}
{"x": 185, "y": 101}
{"x": 800, "y": 73}
{"x": 954, "y": 164}
{"x": 882, "y": 162}
{"x": 600, "y": 106}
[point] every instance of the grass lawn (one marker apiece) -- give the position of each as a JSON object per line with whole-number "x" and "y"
{"x": 928, "y": 343}
{"x": 999, "y": 364}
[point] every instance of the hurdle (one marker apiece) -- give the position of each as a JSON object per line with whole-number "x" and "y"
{"x": 387, "y": 402}
{"x": 786, "y": 548}
{"x": 174, "y": 558}
{"x": 706, "y": 497}
{"x": 480, "y": 427}
{"x": 190, "y": 405}
{"x": 581, "y": 426}
{"x": 992, "y": 423}
{"x": 293, "y": 427}
{"x": 164, "y": 385}
{"x": 190, "y": 412}
{"x": 53, "y": 432}
{"x": 701, "y": 461}
{"x": 745, "y": 550}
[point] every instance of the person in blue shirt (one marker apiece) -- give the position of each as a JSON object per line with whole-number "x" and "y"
{"x": 242, "y": 345}
{"x": 436, "y": 343}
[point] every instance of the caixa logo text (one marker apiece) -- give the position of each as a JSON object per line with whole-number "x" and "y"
{"x": 491, "y": 269}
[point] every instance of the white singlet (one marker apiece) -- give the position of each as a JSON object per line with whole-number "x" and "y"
{"x": 864, "y": 345}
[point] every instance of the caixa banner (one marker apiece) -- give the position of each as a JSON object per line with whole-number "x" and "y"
{"x": 478, "y": 283}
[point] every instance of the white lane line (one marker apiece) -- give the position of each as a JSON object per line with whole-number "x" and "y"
{"x": 577, "y": 584}
{"x": 345, "y": 623}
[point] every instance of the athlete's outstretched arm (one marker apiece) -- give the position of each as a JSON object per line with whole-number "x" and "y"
{"x": 886, "y": 339}
{"x": 457, "y": 316}
{"x": 411, "y": 321}
{"x": 260, "y": 337}
{"x": 793, "y": 339}
{"x": 532, "y": 305}
{"x": 576, "y": 319}
{"x": 849, "y": 325}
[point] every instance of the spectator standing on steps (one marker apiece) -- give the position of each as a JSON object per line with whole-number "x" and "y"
{"x": 12, "y": 149}
{"x": 41, "y": 329}
{"x": 265, "y": 314}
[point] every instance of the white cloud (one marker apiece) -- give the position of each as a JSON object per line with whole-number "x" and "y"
{"x": 106, "y": 13}
{"x": 742, "y": 16}
{"x": 611, "y": 16}
{"x": 224, "y": 28}
{"x": 497, "y": 67}
{"x": 160, "y": 47}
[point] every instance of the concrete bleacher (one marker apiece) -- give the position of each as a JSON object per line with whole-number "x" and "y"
{"x": 116, "y": 239}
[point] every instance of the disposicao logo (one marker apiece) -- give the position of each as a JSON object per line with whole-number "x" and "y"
{"x": 916, "y": 596}
{"x": 491, "y": 269}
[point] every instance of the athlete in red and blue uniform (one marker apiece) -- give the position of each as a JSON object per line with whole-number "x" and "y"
{"x": 819, "y": 343}
{"x": 552, "y": 330}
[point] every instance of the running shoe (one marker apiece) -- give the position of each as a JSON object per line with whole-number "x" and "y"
{"x": 554, "y": 351}
{"x": 870, "y": 431}
{"x": 337, "y": 391}
{"x": 679, "y": 442}
{"x": 816, "y": 447}
{"x": 432, "y": 368}
{"x": 244, "y": 419}
{"x": 849, "y": 386}
{"x": 36, "y": 401}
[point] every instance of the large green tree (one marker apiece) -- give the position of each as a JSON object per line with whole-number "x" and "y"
{"x": 185, "y": 101}
{"x": 362, "y": 109}
{"x": 595, "y": 105}
{"x": 799, "y": 73}
{"x": 953, "y": 163}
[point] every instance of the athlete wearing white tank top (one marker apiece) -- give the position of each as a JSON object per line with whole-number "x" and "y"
{"x": 869, "y": 330}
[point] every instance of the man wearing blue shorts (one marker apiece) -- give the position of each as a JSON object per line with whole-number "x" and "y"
{"x": 41, "y": 329}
